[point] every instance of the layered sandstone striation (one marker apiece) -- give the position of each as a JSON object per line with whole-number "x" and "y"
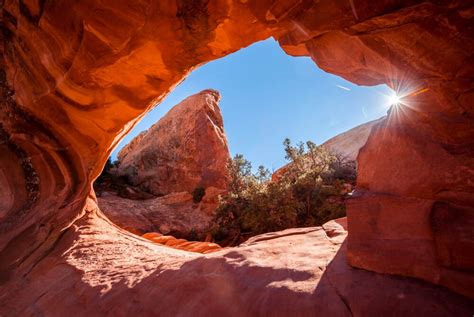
{"x": 75, "y": 76}
{"x": 182, "y": 244}
{"x": 184, "y": 150}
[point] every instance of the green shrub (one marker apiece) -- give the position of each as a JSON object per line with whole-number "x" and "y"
{"x": 307, "y": 193}
{"x": 198, "y": 194}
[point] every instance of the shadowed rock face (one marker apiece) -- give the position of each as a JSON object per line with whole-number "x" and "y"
{"x": 185, "y": 149}
{"x": 176, "y": 214}
{"x": 75, "y": 76}
{"x": 295, "y": 272}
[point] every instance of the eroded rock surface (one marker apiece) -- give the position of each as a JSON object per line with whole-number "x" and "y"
{"x": 185, "y": 149}
{"x": 182, "y": 244}
{"x": 295, "y": 272}
{"x": 176, "y": 214}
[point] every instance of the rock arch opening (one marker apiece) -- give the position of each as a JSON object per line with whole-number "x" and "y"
{"x": 260, "y": 97}
{"x": 75, "y": 77}
{"x": 260, "y": 85}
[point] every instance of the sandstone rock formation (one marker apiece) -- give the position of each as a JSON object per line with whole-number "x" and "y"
{"x": 185, "y": 149}
{"x": 296, "y": 272}
{"x": 182, "y": 244}
{"x": 174, "y": 214}
{"x": 75, "y": 76}
{"x": 349, "y": 143}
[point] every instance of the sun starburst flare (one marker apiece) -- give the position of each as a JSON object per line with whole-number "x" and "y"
{"x": 397, "y": 98}
{"x": 394, "y": 99}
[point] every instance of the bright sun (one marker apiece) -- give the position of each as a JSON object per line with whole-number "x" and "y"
{"x": 394, "y": 99}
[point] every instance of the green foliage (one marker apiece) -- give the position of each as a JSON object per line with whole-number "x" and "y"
{"x": 308, "y": 192}
{"x": 198, "y": 194}
{"x": 109, "y": 181}
{"x": 240, "y": 172}
{"x": 109, "y": 165}
{"x": 105, "y": 175}
{"x": 263, "y": 174}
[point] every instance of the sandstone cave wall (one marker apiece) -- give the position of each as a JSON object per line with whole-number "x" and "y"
{"x": 77, "y": 75}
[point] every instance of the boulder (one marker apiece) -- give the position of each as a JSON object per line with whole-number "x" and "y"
{"x": 187, "y": 148}
{"x": 176, "y": 214}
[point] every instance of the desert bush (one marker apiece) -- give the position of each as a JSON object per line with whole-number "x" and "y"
{"x": 198, "y": 194}
{"x": 122, "y": 185}
{"x": 308, "y": 192}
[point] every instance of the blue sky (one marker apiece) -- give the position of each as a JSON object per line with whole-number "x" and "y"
{"x": 267, "y": 96}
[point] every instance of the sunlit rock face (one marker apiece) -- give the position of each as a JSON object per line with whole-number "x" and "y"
{"x": 349, "y": 143}
{"x": 184, "y": 150}
{"x": 182, "y": 244}
{"x": 75, "y": 76}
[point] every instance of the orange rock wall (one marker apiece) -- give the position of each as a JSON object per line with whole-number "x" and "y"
{"x": 169, "y": 157}
{"x": 75, "y": 76}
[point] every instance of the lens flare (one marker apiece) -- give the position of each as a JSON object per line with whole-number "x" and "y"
{"x": 394, "y": 99}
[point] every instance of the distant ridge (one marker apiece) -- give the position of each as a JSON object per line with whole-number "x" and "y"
{"x": 350, "y": 142}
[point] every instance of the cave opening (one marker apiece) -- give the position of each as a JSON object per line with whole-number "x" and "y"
{"x": 260, "y": 87}
{"x": 256, "y": 98}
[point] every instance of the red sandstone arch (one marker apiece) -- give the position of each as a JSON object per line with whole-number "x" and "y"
{"x": 77, "y": 75}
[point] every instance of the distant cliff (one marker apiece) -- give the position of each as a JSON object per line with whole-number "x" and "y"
{"x": 350, "y": 142}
